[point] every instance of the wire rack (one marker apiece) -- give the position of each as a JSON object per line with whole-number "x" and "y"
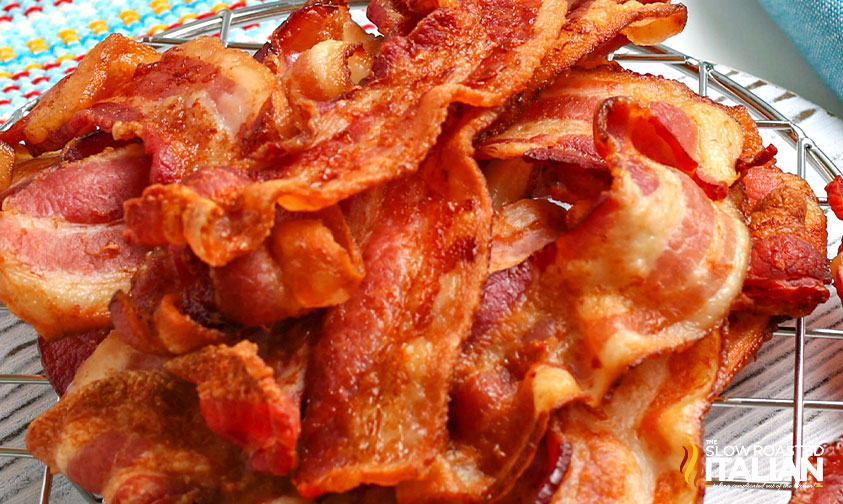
{"x": 808, "y": 155}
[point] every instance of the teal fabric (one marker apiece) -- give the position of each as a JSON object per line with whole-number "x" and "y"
{"x": 816, "y": 28}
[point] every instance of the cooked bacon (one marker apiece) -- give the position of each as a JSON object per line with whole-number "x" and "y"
{"x": 669, "y": 289}
{"x": 830, "y": 489}
{"x": 25, "y": 166}
{"x": 309, "y": 261}
{"x": 191, "y": 108}
{"x": 484, "y": 466}
{"x": 509, "y": 180}
{"x": 378, "y": 382}
{"x": 7, "y": 164}
{"x": 109, "y": 65}
{"x": 110, "y": 356}
{"x": 61, "y": 244}
{"x": 557, "y": 126}
{"x": 178, "y": 304}
{"x": 91, "y": 191}
{"x": 596, "y": 301}
{"x": 638, "y": 438}
{"x": 595, "y": 25}
{"x": 150, "y": 222}
{"x": 170, "y": 307}
{"x": 593, "y": 29}
{"x": 62, "y": 357}
{"x": 393, "y": 17}
{"x": 312, "y": 24}
{"x": 241, "y": 401}
{"x": 788, "y": 267}
{"x": 475, "y": 52}
{"x": 89, "y": 145}
{"x": 317, "y": 53}
{"x": 834, "y": 191}
{"x": 541, "y": 480}
{"x": 139, "y": 437}
{"x": 521, "y": 228}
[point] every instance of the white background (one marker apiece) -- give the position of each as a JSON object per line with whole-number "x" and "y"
{"x": 741, "y": 34}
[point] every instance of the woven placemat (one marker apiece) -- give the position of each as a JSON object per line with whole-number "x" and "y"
{"x": 41, "y": 41}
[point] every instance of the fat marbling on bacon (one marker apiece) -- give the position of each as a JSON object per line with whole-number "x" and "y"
{"x": 62, "y": 250}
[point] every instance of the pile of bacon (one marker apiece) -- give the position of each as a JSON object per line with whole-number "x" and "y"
{"x": 469, "y": 260}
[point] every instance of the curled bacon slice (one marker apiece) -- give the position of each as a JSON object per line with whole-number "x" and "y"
{"x": 788, "y": 267}
{"x": 138, "y": 436}
{"x": 314, "y": 23}
{"x": 241, "y": 401}
{"x": 641, "y": 438}
{"x": 683, "y": 294}
{"x": 109, "y": 65}
{"x": 317, "y": 54}
{"x": 110, "y": 356}
{"x": 378, "y": 383}
{"x": 192, "y": 108}
{"x": 62, "y": 254}
{"x": 599, "y": 26}
{"x": 491, "y": 52}
{"x": 557, "y": 126}
{"x": 170, "y": 307}
{"x": 596, "y": 301}
{"x": 177, "y": 303}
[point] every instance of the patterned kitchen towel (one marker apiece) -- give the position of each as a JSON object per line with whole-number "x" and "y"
{"x": 816, "y": 28}
{"x": 43, "y": 40}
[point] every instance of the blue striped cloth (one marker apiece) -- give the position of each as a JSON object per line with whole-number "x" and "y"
{"x": 816, "y": 28}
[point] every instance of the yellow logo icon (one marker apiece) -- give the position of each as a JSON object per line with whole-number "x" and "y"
{"x": 688, "y": 467}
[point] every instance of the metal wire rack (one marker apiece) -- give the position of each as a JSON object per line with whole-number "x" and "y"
{"x": 808, "y": 154}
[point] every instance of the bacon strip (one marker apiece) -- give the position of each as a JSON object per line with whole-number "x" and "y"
{"x": 599, "y": 26}
{"x": 62, "y": 254}
{"x": 138, "y": 436}
{"x": 788, "y": 268}
{"x": 491, "y": 52}
{"x": 241, "y": 402}
{"x": 170, "y": 307}
{"x": 677, "y": 292}
{"x": 378, "y": 384}
{"x": 596, "y": 301}
{"x": 61, "y": 358}
{"x": 177, "y": 303}
{"x": 191, "y": 109}
{"x": 557, "y": 126}
{"x": 830, "y": 489}
{"x": 110, "y": 64}
{"x": 110, "y": 356}
{"x": 641, "y": 439}
{"x": 521, "y": 228}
